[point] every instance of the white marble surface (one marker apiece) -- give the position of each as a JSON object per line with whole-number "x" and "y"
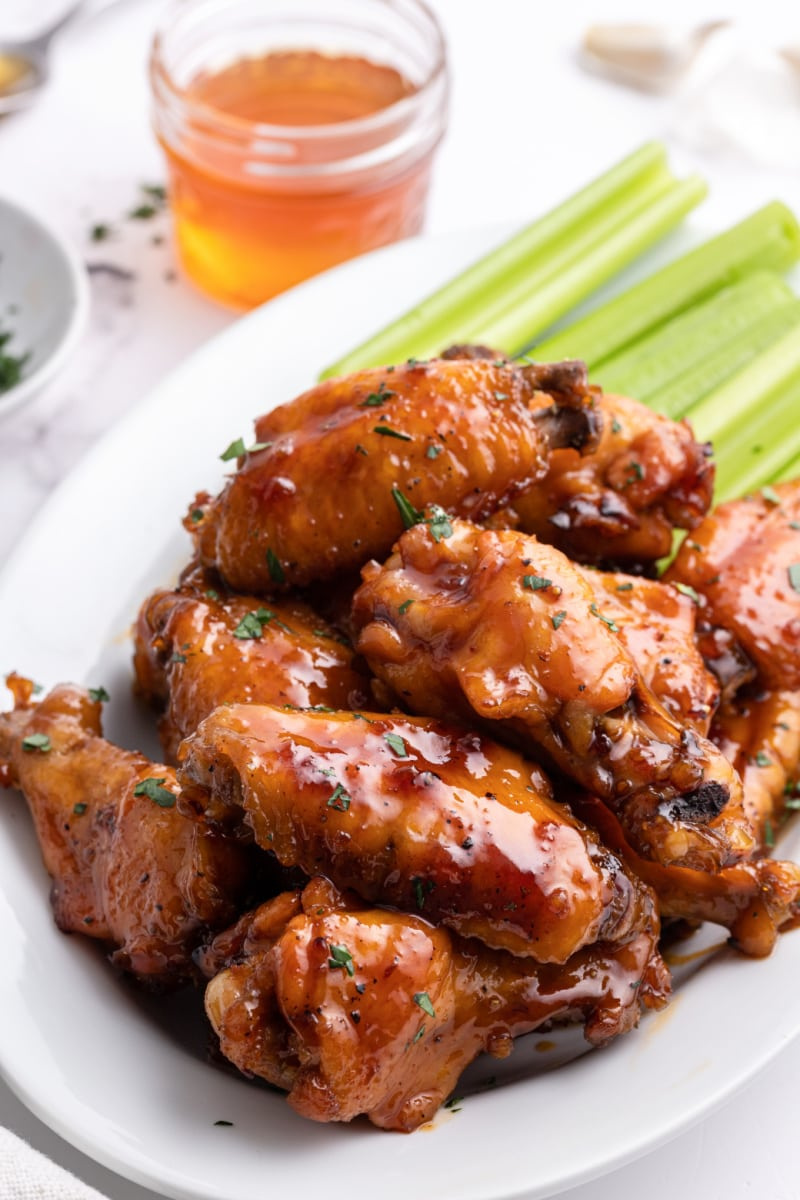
{"x": 527, "y": 126}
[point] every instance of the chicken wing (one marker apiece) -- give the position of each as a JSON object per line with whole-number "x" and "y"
{"x": 466, "y": 622}
{"x": 127, "y": 868}
{"x": 620, "y": 503}
{"x": 425, "y": 816}
{"x": 745, "y": 561}
{"x": 657, "y": 625}
{"x": 355, "y": 1010}
{"x": 200, "y": 646}
{"x": 333, "y": 475}
{"x": 759, "y": 731}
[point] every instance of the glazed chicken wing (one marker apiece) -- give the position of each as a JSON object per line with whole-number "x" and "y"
{"x": 127, "y": 867}
{"x": 355, "y": 1010}
{"x": 620, "y": 503}
{"x": 745, "y": 561}
{"x": 200, "y": 646}
{"x": 490, "y": 624}
{"x": 339, "y": 469}
{"x": 421, "y": 815}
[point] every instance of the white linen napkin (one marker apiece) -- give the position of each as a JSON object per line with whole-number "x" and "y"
{"x": 25, "y": 1174}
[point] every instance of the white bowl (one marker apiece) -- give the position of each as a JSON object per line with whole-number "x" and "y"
{"x": 44, "y": 298}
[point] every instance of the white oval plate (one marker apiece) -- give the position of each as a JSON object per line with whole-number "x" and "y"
{"x": 123, "y": 1077}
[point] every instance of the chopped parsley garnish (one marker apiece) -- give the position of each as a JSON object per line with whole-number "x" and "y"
{"x": 143, "y": 212}
{"x": 197, "y": 514}
{"x": 423, "y": 1000}
{"x": 37, "y": 741}
{"x": 212, "y": 593}
{"x": 763, "y": 760}
{"x": 794, "y": 576}
{"x": 686, "y": 590}
{"x": 341, "y": 957}
{"x": 249, "y": 627}
{"x": 454, "y": 1103}
{"x": 404, "y": 607}
{"x": 397, "y": 744}
{"x": 340, "y": 800}
{"x": 636, "y": 469}
{"x": 422, "y": 889}
{"x": 615, "y": 426}
{"x": 769, "y": 833}
{"x": 276, "y": 572}
{"x": 375, "y": 399}
{"x": 10, "y": 364}
{"x": 80, "y": 808}
{"x": 178, "y": 658}
{"x": 228, "y": 1123}
{"x": 559, "y": 618}
{"x": 410, "y": 515}
{"x": 156, "y": 192}
{"x": 360, "y": 450}
{"x": 154, "y": 790}
{"x": 612, "y": 625}
{"x": 439, "y": 523}
{"x": 386, "y": 431}
{"x": 100, "y": 232}
{"x": 235, "y": 450}
{"x": 98, "y": 695}
{"x": 770, "y": 495}
{"x": 418, "y": 1035}
{"x": 433, "y": 451}
{"x": 536, "y": 583}
{"x": 624, "y": 587}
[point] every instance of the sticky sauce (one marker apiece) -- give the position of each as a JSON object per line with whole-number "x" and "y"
{"x": 256, "y": 216}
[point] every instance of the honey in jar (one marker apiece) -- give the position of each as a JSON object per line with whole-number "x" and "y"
{"x": 286, "y": 162}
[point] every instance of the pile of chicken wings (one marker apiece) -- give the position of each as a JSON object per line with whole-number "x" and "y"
{"x": 444, "y": 752}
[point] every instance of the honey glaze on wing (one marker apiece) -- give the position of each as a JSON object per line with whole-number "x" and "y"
{"x": 432, "y": 818}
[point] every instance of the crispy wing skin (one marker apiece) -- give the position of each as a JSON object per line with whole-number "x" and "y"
{"x": 740, "y": 560}
{"x": 425, "y": 816}
{"x": 387, "y": 1026}
{"x": 620, "y": 503}
{"x": 496, "y": 625}
{"x": 199, "y": 646}
{"x": 318, "y": 498}
{"x": 657, "y": 625}
{"x": 753, "y": 899}
{"x": 759, "y": 731}
{"x": 132, "y": 872}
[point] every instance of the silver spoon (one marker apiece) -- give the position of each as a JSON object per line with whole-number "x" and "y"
{"x": 25, "y": 67}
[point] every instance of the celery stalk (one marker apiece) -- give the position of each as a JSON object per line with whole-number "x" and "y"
{"x": 754, "y": 456}
{"x": 440, "y": 317}
{"x": 769, "y": 239}
{"x": 646, "y": 368}
{"x": 537, "y": 303}
{"x": 790, "y": 471}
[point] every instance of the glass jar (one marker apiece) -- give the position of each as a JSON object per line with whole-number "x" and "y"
{"x": 355, "y": 92}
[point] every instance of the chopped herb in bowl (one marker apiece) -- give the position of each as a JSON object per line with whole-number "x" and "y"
{"x": 11, "y": 365}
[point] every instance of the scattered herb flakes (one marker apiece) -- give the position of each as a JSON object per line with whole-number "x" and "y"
{"x": 763, "y": 760}
{"x": 258, "y": 446}
{"x": 143, "y": 212}
{"x": 439, "y": 523}
{"x": 361, "y": 717}
{"x": 410, "y": 515}
{"x": 794, "y": 524}
{"x": 11, "y": 365}
{"x": 500, "y": 395}
{"x": 387, "y": 431}
{"x": 770, "y": 495}
{"x": 360, "y": 450}
{"x": 156, "y": 192}
{"x": 340, "y": 800}
{"x": 235, "y": 450}
{"x": 375, "y": 399}
{"x": 769, "y": 833}
{"x": 615, "y": 426}
{"x": 36, "y": 688}
{"x": 433, "y": 451}
{"x": 249, "y": 627}
{"x": 98, "y": 695}
{"x": 154, "y": 790}
{"x": 686, "y": 590}
{"x": 794, "y": 576}
{"x": 100, "y": 232}
{"x": 276, "y": 572}
{"x": 536, "y": 583}
{"x": 404, "y": 607}
{"x": 454, "y": 1103}
{"x": 397, "y": 744}
{"x": 422, "y": 889}
{"x": 196, "y": 515}
{"x": 423, "y": 1001}
{"x": 418, "y": 1035}
{"x": 341, "y": 957}
{"x": 793, "y": 804}
{"x": 212, "y": 593}
{"x": 178, "y": 658}
{"x": 636, "y": 469}
{"x": 559, "y": 618}
{"x": 37, "y": 741}
{"x": 80, "y": 808}
{"x": 595, "y": 611}
{"x": 227, "y": 1123}
{"x": 624, "y": 587}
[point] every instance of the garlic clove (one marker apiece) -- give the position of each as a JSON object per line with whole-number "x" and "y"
{"x": 649, "y": 57}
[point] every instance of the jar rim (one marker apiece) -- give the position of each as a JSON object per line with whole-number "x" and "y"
{"x": 227, "y": 125}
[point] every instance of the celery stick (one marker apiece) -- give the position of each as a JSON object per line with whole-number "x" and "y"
{"x": 437, "y": 319}
{"x": 752, "y": 456}
{"x": 790, "y": 471}
{"x": 736, "y": 405}
{"x": 647, "y": 366}
{"x": 724, "y": 360}
{"x": 769, "y": 239}
{"x": 538, "y": 302}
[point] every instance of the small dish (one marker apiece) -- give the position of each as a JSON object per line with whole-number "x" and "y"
{"x": 44, "y": 299}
